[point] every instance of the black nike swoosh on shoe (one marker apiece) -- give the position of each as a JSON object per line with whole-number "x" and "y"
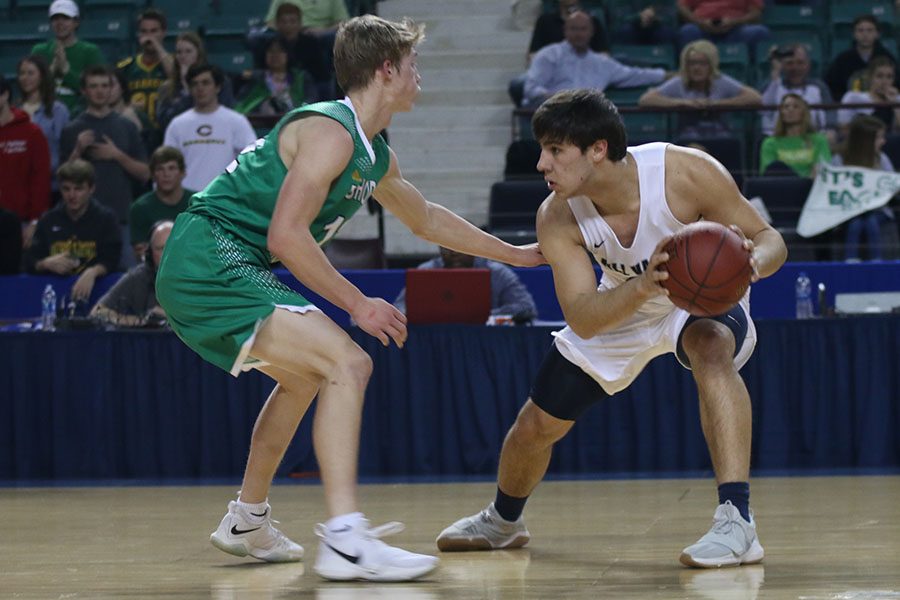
{"x": 347, "y": 557}
{"x": 236, "y": 531}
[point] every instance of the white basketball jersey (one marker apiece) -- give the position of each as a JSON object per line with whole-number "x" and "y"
{"x": 616, "y": 357}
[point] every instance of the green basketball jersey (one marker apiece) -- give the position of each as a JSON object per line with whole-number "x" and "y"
{"x": 242, "y": 199}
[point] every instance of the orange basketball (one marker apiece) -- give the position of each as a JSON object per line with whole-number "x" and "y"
{"x": 709, "y": 269}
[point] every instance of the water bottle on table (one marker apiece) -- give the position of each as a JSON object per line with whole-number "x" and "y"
{"x": 48, "y": 309}
{"x": 804, "y": 297}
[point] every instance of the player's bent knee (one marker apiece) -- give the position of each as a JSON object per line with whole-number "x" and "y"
{"x": 708, "y": 342}
{"x": 535, "y": 426}
{"x": 352, "y": 365}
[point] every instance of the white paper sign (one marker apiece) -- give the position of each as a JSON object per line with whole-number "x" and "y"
{"x": 841, "y": 193}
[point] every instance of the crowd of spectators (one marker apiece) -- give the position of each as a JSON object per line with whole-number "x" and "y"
{"x": 97, "y": 149}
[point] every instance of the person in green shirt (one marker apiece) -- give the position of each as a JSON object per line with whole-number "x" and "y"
{"x": 283, "y": 198}
{"x": 796, "y": 147}
{"x": 166, "y": 202}
{"x": 67, "y": 55}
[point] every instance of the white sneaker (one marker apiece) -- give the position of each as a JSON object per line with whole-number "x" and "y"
{"x": 356, "y": 552}
{"x": 241, "y": 534}
{"x": 731, "y": 541}
{"x": 485, "y": 531}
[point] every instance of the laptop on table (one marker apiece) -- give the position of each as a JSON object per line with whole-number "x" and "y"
{"x": 448, "y": 296}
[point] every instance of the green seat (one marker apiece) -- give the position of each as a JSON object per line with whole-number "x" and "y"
{"x": 625, "y": 96}
{"x": 8, "y": 65}
{"x": 232, "y": 62}
{"x": 646, "y": 127}
{"x": 645, "y": 56}
{"x": 843, "y": 13}
{"x": 734, "y": 60}
{"x": 792, "y": 17}
{"x": 227, "y": 33}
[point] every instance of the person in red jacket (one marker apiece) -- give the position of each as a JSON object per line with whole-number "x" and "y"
{"x": 24, "y": 164}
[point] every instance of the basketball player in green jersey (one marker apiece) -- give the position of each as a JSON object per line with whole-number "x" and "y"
{"x": 281, "y": 199}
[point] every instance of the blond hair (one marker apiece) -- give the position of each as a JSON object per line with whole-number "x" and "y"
{"x": 707, "y": 49}
{"x": 781, "y": 128}
{"x": 364, "y": 43}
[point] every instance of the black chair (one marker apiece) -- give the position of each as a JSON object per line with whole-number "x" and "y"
{"x": 784, "y": 198}
{"x": 513, "y": 208}
{"x": 522, "y": 158}
{"x": 364, "y": 253}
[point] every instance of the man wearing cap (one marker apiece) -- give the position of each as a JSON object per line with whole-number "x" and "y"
{"x": 68, "y": 56}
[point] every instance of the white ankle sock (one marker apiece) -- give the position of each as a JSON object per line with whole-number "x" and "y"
{"x": 254, "y": 511}
{"x": 341, "y": 521}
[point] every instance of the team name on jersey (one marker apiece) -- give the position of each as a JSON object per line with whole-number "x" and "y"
{"x": 361, "y": 189}
{"x": 634, "y": 270}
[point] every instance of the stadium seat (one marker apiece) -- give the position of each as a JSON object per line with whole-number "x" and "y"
{"x": 232, "y": 62}
{"x": 227, "y": 33}
{"x": 779, "y": 17}
{"x": 734, "y": 60}
{"x": 513, "y": 207}
{"x": 646, "y": 127}
{"x": 364, "y": 253}
{"x": 843, "y": 13}
{"x": 784, "y": 198}
{"x": 625, "y": 96}
{"x": 645, "y": 56}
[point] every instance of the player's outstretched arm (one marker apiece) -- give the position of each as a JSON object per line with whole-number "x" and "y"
{"x": 439, "y": 225}
{"x": 318, "y": 150}
{"x": 586, "y": 310}
{"x": 697, "y": 182}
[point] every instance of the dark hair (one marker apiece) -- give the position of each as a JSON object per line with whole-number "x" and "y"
{"x": 867, "y": 17}
{"x": 47, "y": 87}
{"x": 123, "y": 85}
{"x": 198, "y": 69}
{"x": 5, "y": 86}
{"x": 95, "y": 71}
{"x": 859, "y": 149}
{"x": 77, "y": 171}
{"x": 165, "y": 154}
{"x": 289, "y": 7}
{"x": 153, "y": 14}
{"x": 580, "y": 117}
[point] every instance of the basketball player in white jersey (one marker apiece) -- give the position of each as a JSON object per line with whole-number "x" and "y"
{"x": 621, "y": 205}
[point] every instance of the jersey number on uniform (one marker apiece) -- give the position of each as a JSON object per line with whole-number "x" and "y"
{"x": 251, "y": 148}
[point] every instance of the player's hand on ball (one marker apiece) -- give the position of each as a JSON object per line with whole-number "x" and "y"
{"x": 751, "y": 248}
{"x": 650, "y": 282}
{"x": 381, "y": 319}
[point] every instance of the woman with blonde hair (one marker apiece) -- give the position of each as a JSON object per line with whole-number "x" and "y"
{"x": 796, "y": 147}
{"x": 701, "y": 85}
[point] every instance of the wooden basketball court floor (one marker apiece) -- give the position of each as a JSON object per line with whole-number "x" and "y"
{"x": 826, "y": 538}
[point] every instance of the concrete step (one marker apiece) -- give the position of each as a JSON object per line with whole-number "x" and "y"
{"x": 461, "y": 116}
{"x": 496, "y": 96}
{"x": 436, "y": 156}
{"x": 450, "y": 137}
{"x": 485, "y": 25}
{"x": 447, "y": 176}
{"x": 497, "y": 40}
{"x": 412, "y": 8}
{"x": 464, "y": 59}
{"x": 468, "y": 78}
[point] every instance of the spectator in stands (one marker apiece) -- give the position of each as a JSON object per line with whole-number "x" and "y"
{"x": 509, "y": 296}
{"x": 147, "y": 70}
{"x": 24, "y": 164}
{"x": 10, "y": 243}
{"x": 38, "y": 99}
{"x": 701, "y": 85}
{"x": 79, "y": 235}
{"x": 131, "y": 302}
{"x": 572, "y": 64}
{"x": 728, "y": 21}
{"x": 278, "y": 88}
{"x": 67, "y": 55}
{"x": 112, "y": 144}
{"x": 790, "y": 74}
{"x": 550, "y": 29}
{"x": 303, "y": 48}
{"x": 796, "y": 147}
{"x": 321, "y": 18}
{"x": 844, "y": 70}
{"x": 164, "y": 203}
{"x": 862, "y": 148}
{"x": 648, "y": 25}
{"x": 174, "y": 97}
{"x": 209, "y": 135}
{"x": 881, "y": 89}
{"x": 120, "y": 103}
